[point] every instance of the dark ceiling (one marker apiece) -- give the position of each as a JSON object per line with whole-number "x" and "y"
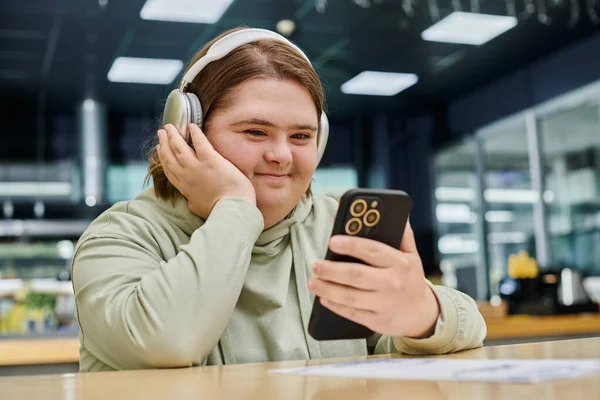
{"x": 65, "y": 49}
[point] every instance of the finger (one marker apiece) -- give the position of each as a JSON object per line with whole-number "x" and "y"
{"x": 166, "y": 154}
{"x": 408, "y": 244}
{"x": 363, "y": 317}
{"x": 344, "y": 295}
{"x": 355, "y": 275}
{"x": 200, "y": 142}
{"x": 167, "y": 159}
{"x": 370, "y": 251}
{"x": 170, "y": 176}
{"x": 185, "y": 155}
{"x": 174, "y": 179}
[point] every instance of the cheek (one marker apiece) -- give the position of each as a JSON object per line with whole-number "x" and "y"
{"x": 306, "y": 160}
{"x": 242, "y": 156}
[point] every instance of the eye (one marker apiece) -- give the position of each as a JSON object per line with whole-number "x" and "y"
{"x": 254, "y": 133}
{"x": 302, "y": 136}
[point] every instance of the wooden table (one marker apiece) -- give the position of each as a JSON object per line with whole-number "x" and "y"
{"x": 252, "y": 381}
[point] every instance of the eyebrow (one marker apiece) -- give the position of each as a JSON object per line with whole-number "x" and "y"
{"x": 257, "y": 121}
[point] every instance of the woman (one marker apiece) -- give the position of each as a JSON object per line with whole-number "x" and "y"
{"x": 219, "y": 262}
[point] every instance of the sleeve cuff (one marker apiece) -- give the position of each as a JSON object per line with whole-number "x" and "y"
{"x": 446, "y": 328}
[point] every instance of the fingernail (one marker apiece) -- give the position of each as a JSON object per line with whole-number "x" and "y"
{"x": 312, "y": 283}
{"x": 315, "y": 268}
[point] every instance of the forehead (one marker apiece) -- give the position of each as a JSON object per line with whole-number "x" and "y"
{"x": 271, "y": 99}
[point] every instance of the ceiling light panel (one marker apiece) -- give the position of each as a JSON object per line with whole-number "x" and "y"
{"x": 144, "y": 70}
{"x": 195, "y": 11}
{"x": 469, "y": 28}
{"x": 375, "y": 83}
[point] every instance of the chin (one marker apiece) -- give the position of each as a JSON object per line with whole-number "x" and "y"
{"x": 270, "y": 198}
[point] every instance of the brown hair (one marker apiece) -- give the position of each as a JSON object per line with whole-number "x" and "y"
{"x": 260, "y": 59}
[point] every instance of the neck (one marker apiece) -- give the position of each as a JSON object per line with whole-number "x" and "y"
{"x": 272, "y": 216}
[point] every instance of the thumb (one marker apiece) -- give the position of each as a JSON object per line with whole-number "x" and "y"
{"x": 408, "y": 244}
{"x": 199, "y": 141}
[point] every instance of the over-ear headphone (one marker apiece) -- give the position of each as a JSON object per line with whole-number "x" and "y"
{"x": 183, "y": 107}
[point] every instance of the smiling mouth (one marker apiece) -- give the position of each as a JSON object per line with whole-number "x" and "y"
{"x": 275, "y": 176}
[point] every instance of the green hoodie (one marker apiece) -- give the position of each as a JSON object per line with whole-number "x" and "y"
{"x": 157, "y": 286}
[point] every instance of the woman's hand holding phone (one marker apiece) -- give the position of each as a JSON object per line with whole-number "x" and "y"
{"x": 201, "y": 174}
{"x": 387, "y": 293}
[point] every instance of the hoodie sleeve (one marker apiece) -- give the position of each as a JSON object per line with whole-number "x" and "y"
{"x": 460, "y": 326}
{"x": 136, "y": 310}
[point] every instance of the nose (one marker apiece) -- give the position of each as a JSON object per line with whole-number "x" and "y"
{"x": 279, "y": 152}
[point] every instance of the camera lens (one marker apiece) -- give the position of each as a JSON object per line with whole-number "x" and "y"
{"x": 353, "y": 226}
{"x": 371, "y": 218}
{"x": 358, "y": 208}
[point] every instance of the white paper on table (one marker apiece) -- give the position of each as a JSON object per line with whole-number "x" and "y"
{"x": 440, "y": 369}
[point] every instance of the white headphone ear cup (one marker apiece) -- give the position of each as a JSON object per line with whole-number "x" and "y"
{"x": 322, "y": 136}
{"x": 195, "y": 109}
{"x": 177, "y": 111}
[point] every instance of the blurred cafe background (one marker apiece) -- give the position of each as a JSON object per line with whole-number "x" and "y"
{"x": 487, "y": 112}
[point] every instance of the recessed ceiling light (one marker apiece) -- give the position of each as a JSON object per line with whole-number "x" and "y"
{"x": 376, "y": 83}
{"x": 198, "y": 11}
{"x": 144, "y": 70}
{"x": 286, "y": 27}
{"x": 469, "y": 28}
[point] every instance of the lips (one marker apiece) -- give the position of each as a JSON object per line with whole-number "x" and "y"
{"x": 274, "y": 177}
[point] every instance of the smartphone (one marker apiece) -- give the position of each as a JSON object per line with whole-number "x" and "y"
{"x": 377, "y": 214}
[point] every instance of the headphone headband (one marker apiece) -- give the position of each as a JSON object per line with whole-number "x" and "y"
{"x": 183, "y": 107}
{"x": 230, "y": 42}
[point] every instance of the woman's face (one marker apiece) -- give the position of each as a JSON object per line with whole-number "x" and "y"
{"x": 269, "y": 132}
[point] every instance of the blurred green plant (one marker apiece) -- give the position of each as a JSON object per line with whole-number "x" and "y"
{"x": 34, "y": 300}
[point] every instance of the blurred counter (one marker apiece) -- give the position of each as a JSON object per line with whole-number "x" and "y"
{"x": 503, "y": 328}
{"x": 39, "y": 351}
{"x": 39, "y": 356}
{"x": 521, "y": 328}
